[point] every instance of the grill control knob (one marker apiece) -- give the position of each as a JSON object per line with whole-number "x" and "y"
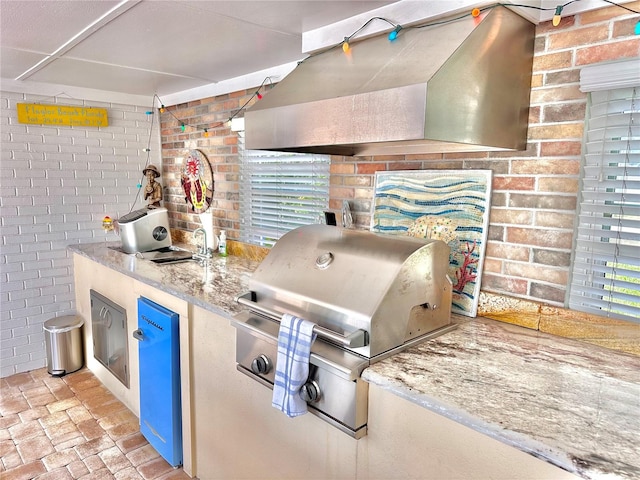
{"x": 261, "y": 365}
{"x": 310, "y": 392}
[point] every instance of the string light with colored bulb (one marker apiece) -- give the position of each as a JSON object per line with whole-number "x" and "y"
{"x": 392, "y": 36}
{"x": 345, "y": 45}
{"x": 557, "y": 16}
{"x": 394, "y": 33}
{"x": 205, "y": 129}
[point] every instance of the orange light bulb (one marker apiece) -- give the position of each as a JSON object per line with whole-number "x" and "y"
{"x": 345, "y": 45}
{"x": 557, "y": 16}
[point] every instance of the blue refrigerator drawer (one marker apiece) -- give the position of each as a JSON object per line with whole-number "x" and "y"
{"x": 160, "y": 403}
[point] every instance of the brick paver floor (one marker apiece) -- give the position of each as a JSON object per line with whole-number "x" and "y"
{"x": 72, "y": 428}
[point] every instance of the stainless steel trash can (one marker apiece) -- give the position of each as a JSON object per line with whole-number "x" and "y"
{"x": 63, "y": 339}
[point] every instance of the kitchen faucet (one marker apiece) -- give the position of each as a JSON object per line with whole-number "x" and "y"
{"x": 202, "y": 250}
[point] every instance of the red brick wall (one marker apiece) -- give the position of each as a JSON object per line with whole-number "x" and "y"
{"x": 534, "y": 192}
{"x": 220, "y": 147}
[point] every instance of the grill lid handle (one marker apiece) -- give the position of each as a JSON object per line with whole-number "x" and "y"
{"x": 358, "y": 338}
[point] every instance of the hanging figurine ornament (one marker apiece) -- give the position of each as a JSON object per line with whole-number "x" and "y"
{"x": 153, "y": 189}
{"x": 197, "y": 181}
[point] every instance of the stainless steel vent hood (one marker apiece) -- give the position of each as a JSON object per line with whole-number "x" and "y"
{"x": 456, "y": 87}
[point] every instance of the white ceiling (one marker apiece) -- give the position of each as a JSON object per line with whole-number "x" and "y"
{"x": 146, "y": 47}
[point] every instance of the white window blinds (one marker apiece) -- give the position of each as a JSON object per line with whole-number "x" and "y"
{"x": 606, "y": 270}
{"x": 279, "y": 192}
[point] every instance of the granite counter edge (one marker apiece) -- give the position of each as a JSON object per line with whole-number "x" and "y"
{"x": 519, "y": 441}
{"x": 77, "y": 249}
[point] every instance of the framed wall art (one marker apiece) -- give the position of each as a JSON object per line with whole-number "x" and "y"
{"x": 448, "y": 205}
{"x": 197, "y": 181}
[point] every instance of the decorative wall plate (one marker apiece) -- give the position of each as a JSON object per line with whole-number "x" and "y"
{"x": 197, "y": 181}
{"x": 448, "y": 205}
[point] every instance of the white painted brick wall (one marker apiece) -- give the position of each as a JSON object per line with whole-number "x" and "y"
{"x": 56, "y": 185}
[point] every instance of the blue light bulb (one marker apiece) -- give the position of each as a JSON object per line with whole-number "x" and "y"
{"x": 393, "y": 35}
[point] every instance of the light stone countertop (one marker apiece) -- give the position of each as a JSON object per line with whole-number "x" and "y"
{"x": 571, "y": 404}
{"x": 213, "y": 288}
{"x": 574, "y": 405}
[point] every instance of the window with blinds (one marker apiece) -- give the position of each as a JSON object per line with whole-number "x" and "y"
{"x": 606, "y": 270}
{"x": 279, "y": 192}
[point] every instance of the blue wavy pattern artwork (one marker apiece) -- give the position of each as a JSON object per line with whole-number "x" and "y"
{"x": 448, "y": 205}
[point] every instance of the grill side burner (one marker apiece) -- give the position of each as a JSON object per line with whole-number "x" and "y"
{"x": 369, "y": 296}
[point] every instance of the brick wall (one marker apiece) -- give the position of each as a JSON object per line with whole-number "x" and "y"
{"x": 56, "y": 185}
{"x": 220, "y": 148}
{"x": 534, "y": 192}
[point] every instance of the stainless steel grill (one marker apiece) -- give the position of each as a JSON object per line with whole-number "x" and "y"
{"x": 369, "y": 296}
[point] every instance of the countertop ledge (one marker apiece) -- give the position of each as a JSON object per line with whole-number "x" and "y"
{"x": 571, "y": 404}
{"x": 212, "y": 287}
{"x": 574, "y": 405}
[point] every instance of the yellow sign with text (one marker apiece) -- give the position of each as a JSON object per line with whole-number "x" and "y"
{"x": 61, "y": 115}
